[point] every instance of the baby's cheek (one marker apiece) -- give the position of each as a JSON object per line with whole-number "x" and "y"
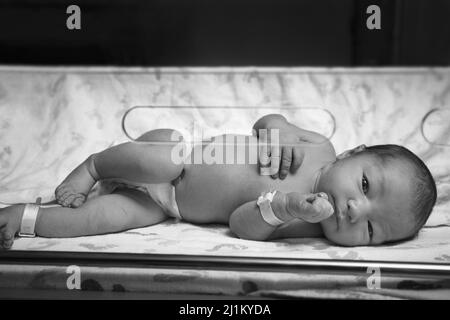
{"x": 341, "y": 237}
{"x": 328, "y": 223}
{"x": 329, "y": 230}
{"x": 346, "y": 238}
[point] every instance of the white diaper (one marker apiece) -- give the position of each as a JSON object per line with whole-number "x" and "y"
{"x": 162, "y": 193}
{"x": 164, "y": 196}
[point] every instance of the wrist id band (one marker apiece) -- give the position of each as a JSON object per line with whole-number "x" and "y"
{"x": 29, "y": 216}
{"x": 265, "y": 208}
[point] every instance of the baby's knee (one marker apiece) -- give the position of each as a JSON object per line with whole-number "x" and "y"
{"x": 161, "y": 135}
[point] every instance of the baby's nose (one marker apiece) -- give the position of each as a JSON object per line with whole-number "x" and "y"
{"x": 353, "y": 210}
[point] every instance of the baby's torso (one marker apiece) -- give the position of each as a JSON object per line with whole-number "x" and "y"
{"x": 209, "y": 193}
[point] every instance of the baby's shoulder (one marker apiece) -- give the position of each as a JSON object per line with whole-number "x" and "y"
{"x": 327, "y": 150}
{"x": 320, "y": 147}
{"x": 316, "y": 140}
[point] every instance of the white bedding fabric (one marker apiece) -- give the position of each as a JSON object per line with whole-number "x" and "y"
{"x": 183, "y": 238}
{"x": 52, "y": 119}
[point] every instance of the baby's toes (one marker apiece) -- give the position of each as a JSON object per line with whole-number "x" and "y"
{"x": 60, "y": 189}
{"x": 68, "y": 200}
{"x": 61, "y": 193}
{"x": 64, "y": 188}
{"x": 62, "y": 201}
{"x": 7, "y": 239}
{"x": 65, "y": 197}
{"x": 79, "y": 200}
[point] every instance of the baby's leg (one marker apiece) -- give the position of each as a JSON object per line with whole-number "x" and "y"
{"x": 145, "y": 163}
{"x": 124, "y": 209}
{"x": 73, "y": 191}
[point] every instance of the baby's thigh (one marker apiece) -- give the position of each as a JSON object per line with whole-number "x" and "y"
{"x": 161, "y": 135}
{"x": 166, "y": 155}
{"x": 138, "y": 204}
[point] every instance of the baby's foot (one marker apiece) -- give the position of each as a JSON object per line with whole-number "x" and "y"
{"x": 10, "y": 220}
{"x": 73, "y": 191}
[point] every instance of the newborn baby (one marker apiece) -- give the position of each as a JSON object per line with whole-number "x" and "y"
{"x": 365, "y": 196}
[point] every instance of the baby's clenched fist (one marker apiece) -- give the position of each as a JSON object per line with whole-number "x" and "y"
{"x": 312, "y": 208}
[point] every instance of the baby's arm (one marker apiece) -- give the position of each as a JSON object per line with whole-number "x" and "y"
{"x": 247, "y": 222}
{"x": 270, "y": 121}
{"x": 277, "y": 121}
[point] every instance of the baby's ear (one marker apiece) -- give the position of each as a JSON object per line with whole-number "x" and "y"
{"x": 350, "y": 152}
{"x": 359, "y": 148}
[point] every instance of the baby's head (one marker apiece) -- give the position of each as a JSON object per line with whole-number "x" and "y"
{"x": 380, "y": 194}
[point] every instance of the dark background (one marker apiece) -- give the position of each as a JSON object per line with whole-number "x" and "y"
{"x": 225, "y": 33}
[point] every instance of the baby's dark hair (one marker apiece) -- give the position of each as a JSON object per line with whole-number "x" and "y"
{"x": 424, "y": 186}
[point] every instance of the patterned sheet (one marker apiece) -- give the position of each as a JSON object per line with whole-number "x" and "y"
{"x": 172, "y": 237}
{"x": 54, "y": 118}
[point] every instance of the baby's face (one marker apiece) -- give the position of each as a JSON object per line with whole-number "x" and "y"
{"x": 371, "y": 202}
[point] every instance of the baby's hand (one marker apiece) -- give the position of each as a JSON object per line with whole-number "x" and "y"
{"x": 278, "y": 158}
{"x": 10, "y": 220}
{"x": 312, "y": 208}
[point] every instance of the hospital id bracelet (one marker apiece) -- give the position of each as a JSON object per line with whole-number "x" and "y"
{"x": 265, "y": 208}
{"x": 29, "y": 216}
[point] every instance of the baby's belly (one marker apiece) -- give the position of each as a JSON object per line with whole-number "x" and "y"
{"x": 209, "y": 193}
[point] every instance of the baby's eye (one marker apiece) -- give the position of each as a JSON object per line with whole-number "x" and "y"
{"x": 365, "y": 184}
{"x": 370, "y": 229}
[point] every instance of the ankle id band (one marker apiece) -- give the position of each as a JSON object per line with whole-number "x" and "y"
{"x": 29, "y": 220}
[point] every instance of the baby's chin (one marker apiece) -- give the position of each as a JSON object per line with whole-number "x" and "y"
{"x": 328, "y": 228}
{"x": 329, "y": 223}
{"x": 338, "y": 239}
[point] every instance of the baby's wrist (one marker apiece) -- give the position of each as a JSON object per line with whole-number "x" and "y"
{"x": 17, "y": 225}
{"x": 279, "y": 207}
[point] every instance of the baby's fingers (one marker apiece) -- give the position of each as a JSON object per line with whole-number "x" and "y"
{"x": 78, "y": 201}
{"x": 7, "y": 244}
{"x": 299, "y": 204}
{"x": 274, "y": 161}
{"x": 322, "y": 209}
{"x": 312, "y": 208}
{"x": 297, "y": 159}
{"x": 6, "y": 239}
{"x": 310, "y": 198}
{"x": 286, "y": 161}
{"x": 263, "y": 153}
{"x": 322, "y": 195}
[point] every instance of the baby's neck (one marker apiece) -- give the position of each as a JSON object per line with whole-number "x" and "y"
{"x": 318, "y": 175}
{"x": 316, "y": 179}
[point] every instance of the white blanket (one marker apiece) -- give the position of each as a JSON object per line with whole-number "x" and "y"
{"x": 52, "y": 119}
